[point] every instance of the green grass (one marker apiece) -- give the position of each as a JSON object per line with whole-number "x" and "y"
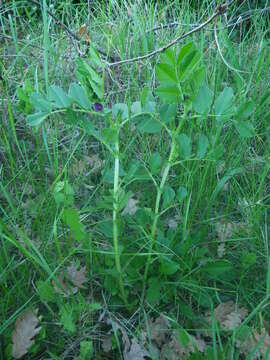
{"x": 61, "y": 189}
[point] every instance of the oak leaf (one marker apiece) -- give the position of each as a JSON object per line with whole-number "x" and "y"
{"x": 131, "y": 206}
{"x": 132, "y": 349}
{"x": 95, "y": 163}
{"x": 172, "y": 223}
{"x": 77, "y": 168}
{"x": 136, "y": 352}
{"x": 228, "y": 315}
{"x": 117, "y": 326}
{"x": 221, "y": 250}
{"x": 261, "y": 341}
{"x": 24, "y": 332}
{"x": 82, "y": 33}
{"x": 77, "y": 276}
{"x": 159, "y": 329}
{"x": 107, "y": 344}
{"x": 62, "y": 288}
{"x": 175, "y": 350}
{"x": 224, "y": 230}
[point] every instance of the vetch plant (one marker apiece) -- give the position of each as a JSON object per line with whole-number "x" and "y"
{"x": 181, "y": 98}
{"x": 81, "y": 100}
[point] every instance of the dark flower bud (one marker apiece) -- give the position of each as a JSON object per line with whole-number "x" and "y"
{"x": 98, "y": 107}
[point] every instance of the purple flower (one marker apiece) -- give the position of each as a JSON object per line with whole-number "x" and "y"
{"x": 98, "y": 107}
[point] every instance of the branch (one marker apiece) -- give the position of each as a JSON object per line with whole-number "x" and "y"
{"x": 219, "y": 11}
{"x": 168, "y": 25}
{"x": 234, "y": 21}
{"x": 59, "y": 22}
{"x": 67, "y": 30}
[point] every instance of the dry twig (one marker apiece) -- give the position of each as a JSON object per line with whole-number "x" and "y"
{"x": 72, "y": 34}
{"x": 219, "y": 11}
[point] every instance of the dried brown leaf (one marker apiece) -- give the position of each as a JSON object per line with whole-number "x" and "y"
{"x": 232, "y": 321}
{"x": 131, "y": 207}
{"x": 228, "y": 315}
{"x": 143, "y": 337}
{"x": 77, "y": 277}
{"x": 107, "y": 344}
{"x": 25, "y": 330}
{"x": 221, "y": 250}
{"x": 243, "y": 204}
{"x": 132, "y": 350}
{"x": 172, "y": 223}
{"x": 116, "y": 326}
{"x": 159, "y": 329}
{"x": 174, "y": 350}
{"x": 167, "y": 353}
{"x": 199, "y": 343}
{"x": 77, "y": 168}
{"x": 220, "y": 167}
{"x": 62, "y": 288}
{"x": 252, "y": 341}
{"x": 129, "y": 11}
{"x": 82, "y": 30}
{"x": 95, "y": 163}
{"x": 136, "y": 351}
{"x": 224, "y": 230}
{"x": 82, "y": 33}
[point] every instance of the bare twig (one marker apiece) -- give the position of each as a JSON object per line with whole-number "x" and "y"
{"x": 72, "y": 34}
{"x": 231, "y": 23}
{"x": 59, "y": 22}
{"x": 219, "y": 10}
{"x": 168, "y": 25}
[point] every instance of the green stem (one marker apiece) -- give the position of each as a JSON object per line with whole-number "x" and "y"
{"x": 158, "y": 199}
{"x": 115, "y": 223}
{"x": 157, "y": 205}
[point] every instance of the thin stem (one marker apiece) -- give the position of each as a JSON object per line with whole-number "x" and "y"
{"x": 219, "y": 11}
{"x": 168, "y": 166}
{"x": 157, "y": 206}
{"x": 115, "y": 223}
{"x": 46, "y": 49}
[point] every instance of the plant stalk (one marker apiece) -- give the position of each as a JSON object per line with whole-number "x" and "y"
{"x": 115, "y": 222}
{"x": 157, "y": 206}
